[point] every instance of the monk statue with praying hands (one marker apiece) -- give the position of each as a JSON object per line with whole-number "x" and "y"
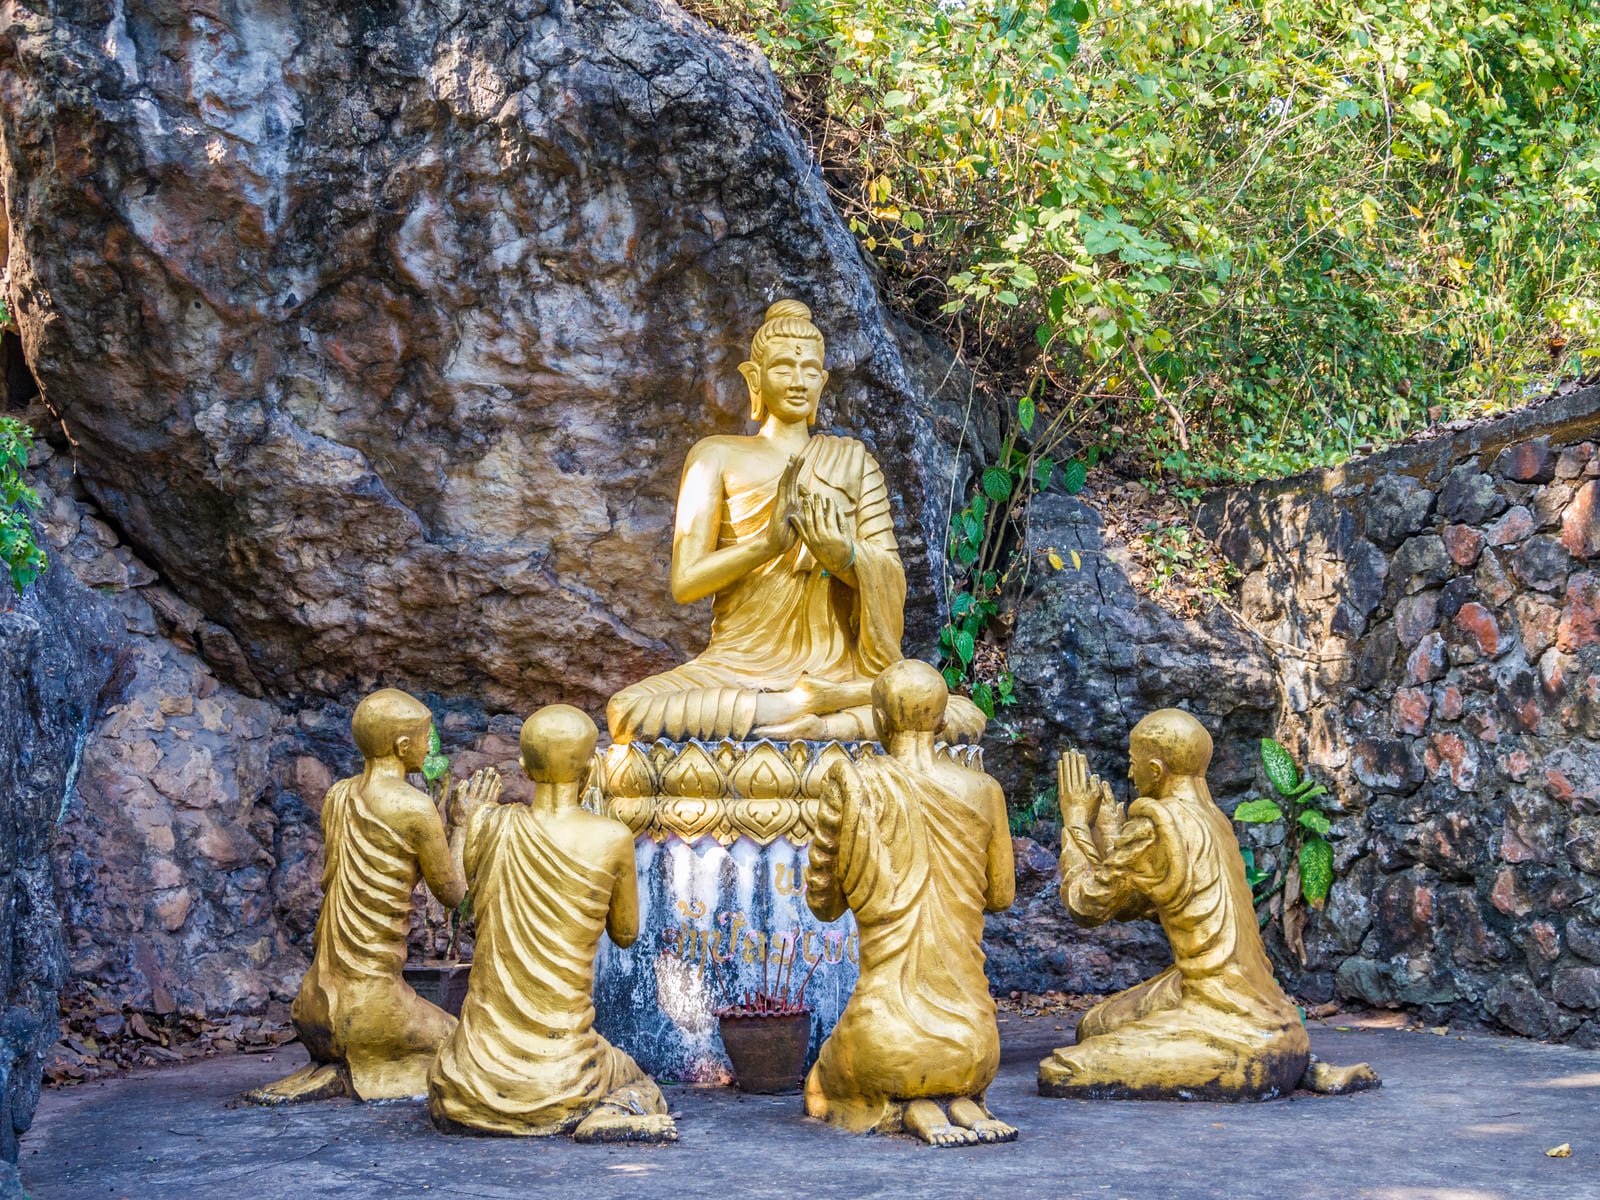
{"x": 918, "y": 847}
{"x": 1215, "y": 1025}
{"x": 369, "y": 1035}
{"x": 790, "y": 533}
{"x": 547, "y": 878}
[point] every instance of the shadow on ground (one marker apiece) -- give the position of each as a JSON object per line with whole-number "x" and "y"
{"x": 1458, "y": 1118}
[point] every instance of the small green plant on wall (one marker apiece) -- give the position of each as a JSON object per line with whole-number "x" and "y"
{"x": 984, "y": 559}
{"x": 20, "y": 553}
{"x": 1305, "y": 871}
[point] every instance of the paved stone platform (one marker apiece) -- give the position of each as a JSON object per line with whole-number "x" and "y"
{"x": 1457, "y": 1119}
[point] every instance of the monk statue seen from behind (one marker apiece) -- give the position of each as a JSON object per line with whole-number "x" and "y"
{"x": 547, "y": 879}
{"x": 791, "y": 535}
{"x": 918, "y": 847}
{"x": 368, "y": 1033}
{"x": 1214, "y": 1025}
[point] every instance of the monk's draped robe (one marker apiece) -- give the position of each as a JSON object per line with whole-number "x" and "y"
{"x": 1215, "y": 1023}
{"x": 912, "y": 863}
{"x": 525, "y": 1058}
{"x": 789, "y": 617}
{"x": 354, "y": 1006}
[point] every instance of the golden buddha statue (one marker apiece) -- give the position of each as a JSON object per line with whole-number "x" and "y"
{"x": 367, "y": 1032}
{"x": 1215, "y": 1025}
{"x": 547, "y": 878}
{"x": 790, "y": 532}
{"x": 918, "y": 847}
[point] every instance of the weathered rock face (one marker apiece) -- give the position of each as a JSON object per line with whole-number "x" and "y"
{"x": 58, "y": 654}
{"x": 384, "y": 330}
{"x": 1091, "y": 657}
{"x": 1437, "y": 610}
{"x": 177, "y": 850}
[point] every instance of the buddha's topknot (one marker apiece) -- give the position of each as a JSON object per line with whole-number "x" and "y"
{"x": 785, "y": 319}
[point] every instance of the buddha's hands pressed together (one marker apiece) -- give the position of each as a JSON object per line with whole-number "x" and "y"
{"x": 472, "y": 794}
{"x": 783, "y": 528}
{"x": 822, "y": 528}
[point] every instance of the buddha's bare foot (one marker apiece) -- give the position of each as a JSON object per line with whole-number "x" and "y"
{"x": 927, "y": 1120}
{"x": 804, "y": 728}
{"x": 319, "y": 1081}
{"x": 969, "y": 1114}
{"x": 606, "y": 1125}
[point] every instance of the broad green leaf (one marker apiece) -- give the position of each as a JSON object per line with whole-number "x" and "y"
{"x": 1042, "y": 470}
{"x": 1027, "y": 410}
{"x": 983, "y": 697}
{"x": 1315, "y": 822}
{"x": 1316, "y": 871}
{"x": 965, "y": 647}
{"x": 997, "y": 484}
{"x": 1074, "y": 475}
{"x": 1258, "y": 812}
{"x": 1280, "y": 767}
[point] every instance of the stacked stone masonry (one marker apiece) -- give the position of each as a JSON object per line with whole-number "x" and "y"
{"x": 1435, "y": 616}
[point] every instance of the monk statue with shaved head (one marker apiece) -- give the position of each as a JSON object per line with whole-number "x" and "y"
{"x": 548, "y": 879}
{"x": 369, "y": 1035}
{"x": 1215, "y": 1025}
{"x": 918, "y": 847}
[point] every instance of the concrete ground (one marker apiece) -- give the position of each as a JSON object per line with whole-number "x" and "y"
{"x": 1458, "y": 1118}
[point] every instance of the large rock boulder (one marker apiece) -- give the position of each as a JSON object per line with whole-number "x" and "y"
{"x": 58, "y": 654}
{"x": 383, "y": 331}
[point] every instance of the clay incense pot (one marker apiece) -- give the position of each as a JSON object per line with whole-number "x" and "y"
{"x": 767, "y": 1049}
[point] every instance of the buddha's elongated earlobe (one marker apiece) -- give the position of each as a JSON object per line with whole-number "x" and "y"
{"x": 752, "y": 376}
{"x": 811, "y": 418}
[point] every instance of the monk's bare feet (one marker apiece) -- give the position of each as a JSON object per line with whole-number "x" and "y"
{"x": 319, "y": 1081}
{"x": 927, "y": 1121}
{"x": 605, "y": 1125}
{"x": 969, "y": 1114}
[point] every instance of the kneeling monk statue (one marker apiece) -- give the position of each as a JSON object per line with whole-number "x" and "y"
{"x": 546, "y": 879}
{"x": 367, "y": 1032}
{"x": 1215, "y": 1025}
{"x": 918, "y": 847}
{"x": 791, "y": 535}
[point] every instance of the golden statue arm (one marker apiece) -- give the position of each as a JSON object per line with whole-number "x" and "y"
{"x": 622, "y": 916}
{"x": 1002, "y": 883}
{"x": 1108, "y": 890}
{"x": 438, "y": 856}
{"x": 699, "y": 569}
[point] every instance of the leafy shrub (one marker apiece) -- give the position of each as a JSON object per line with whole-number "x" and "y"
{"x": 20, "y": 553}
{"x": 1236, "y": 238}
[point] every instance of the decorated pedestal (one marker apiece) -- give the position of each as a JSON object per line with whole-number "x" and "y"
{"x": 722, "y": 833}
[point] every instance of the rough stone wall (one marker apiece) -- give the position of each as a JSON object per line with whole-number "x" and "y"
{"x": 1435, "y": 614}
{"x": 59, "y": 653}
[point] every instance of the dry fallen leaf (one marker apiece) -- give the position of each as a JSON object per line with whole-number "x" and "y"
{"x": 1562, "y": 1151}
{"x": 1055, "y": 560}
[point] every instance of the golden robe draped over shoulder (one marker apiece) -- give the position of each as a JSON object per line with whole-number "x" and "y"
{"x": 1215, "y": 1022}
{"x": 912, "y": 862}
{"x": 788, "y": 617}
{"x": 353, "y": 1005}
{"x": 525, "y": 1058}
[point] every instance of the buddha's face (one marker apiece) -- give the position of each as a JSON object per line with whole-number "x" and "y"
{"x": 789, "y": 379}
